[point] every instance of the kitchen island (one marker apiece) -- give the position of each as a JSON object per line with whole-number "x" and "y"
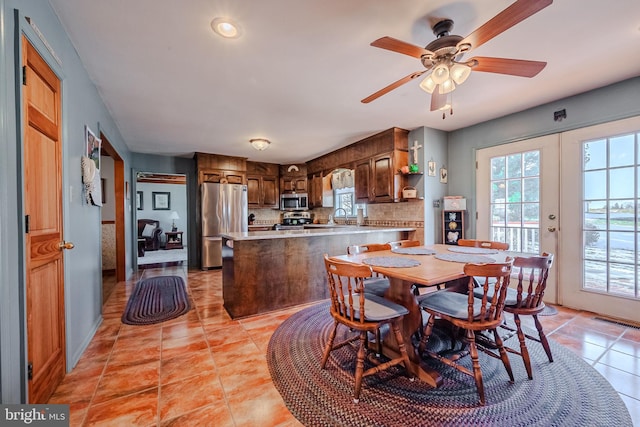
{"x": 264, "y": 271}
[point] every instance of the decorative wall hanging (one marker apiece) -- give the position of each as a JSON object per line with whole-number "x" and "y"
{"x": 432, "y": 168}
{"x": 161, "y": 200}
{"x": 139, "y": 200}
{"x": 91, "y": 168}
{"x": 443, "y": 175}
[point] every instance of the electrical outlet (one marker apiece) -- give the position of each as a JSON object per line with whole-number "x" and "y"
{"x": 436, "y": 203}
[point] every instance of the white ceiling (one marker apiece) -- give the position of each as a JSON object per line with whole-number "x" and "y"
{"x": 299, "y": 71}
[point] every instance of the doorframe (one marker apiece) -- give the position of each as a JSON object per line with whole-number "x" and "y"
{"x": 24, "y": 31}
{"x": 119, "y": 190}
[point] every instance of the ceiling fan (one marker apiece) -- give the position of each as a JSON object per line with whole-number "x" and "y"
{"x": 443, "y": 56}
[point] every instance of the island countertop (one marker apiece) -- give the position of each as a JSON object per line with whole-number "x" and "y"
{"x": 314, "y": 230}
{"x": 268, "y": 270}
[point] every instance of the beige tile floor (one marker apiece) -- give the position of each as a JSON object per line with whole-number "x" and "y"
{"x": 205, "y": 369}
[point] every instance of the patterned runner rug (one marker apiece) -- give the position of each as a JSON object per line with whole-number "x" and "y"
{"x": 567, "y": 392}
{"x": 156, "y": 300}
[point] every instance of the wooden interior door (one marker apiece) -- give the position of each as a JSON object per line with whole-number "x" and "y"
{"x": 44, "y": 238}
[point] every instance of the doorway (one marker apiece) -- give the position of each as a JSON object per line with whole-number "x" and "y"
{"x": 161, "y": 217}
{"x": 44, "y": 236}
{"x": 517, "y": 198}
{"x": 600, "y": 187}
{"x": 113, "y": 218}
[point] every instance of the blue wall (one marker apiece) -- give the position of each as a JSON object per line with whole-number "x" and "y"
{"x": 81, "y": 105}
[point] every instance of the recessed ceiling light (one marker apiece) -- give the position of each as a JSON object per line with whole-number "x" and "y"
{"x": 226, "y": 27}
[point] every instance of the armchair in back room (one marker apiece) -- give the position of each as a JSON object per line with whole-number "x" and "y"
{"x": 150, "y": 231}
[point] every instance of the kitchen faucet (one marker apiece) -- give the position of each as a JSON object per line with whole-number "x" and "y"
{"x": 335, "y": 214}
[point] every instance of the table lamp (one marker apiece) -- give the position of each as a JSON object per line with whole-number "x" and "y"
{"x": 174, "y": 216}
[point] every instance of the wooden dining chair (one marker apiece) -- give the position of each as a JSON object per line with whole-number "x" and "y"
{"x": 377, "y": 284}
{"x": 486, "y": 244}
{"x": 526, "y": 300}
{"x": 472, "y": 315}
{"x": 404, "y": 244}
{"x": 362, "y": 312}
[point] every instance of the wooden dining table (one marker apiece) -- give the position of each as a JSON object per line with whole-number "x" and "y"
{"x": 431, "y": 271}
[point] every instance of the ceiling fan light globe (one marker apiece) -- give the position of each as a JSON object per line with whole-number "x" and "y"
{"x": 428, "y": 85}
{"x": 440, "y": 74}
{"x": 446, "y": 87}
{"x": 460, "y": 73}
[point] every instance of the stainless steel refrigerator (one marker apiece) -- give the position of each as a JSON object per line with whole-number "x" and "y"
{"x": 224, "y": 210}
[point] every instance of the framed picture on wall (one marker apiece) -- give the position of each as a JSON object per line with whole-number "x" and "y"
{"x": 93, "y": 146}
{"x": 139, "y": 200}
{"x": 161, "y": 200}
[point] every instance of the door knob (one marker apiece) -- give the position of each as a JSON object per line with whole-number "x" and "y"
{"x": 66, "y": 245}
{"x": 552, "y": 229}
{"x": 552, "y": 216}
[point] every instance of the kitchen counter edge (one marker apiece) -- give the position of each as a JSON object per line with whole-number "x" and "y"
{"x": 285, "y": 234}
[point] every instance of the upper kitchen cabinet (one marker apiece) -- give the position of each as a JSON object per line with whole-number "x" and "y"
{"x": 377, "y": 179}
{"x": 216, "y": 168}
{"x": 293, "y": 178}
{"x": 263, "y": 185}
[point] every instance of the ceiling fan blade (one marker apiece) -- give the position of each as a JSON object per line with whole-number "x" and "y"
{"x": 392, "y": 86}
{"x": 438, "y": 100}
{"x": 514, "y": 67}
{"x": 399, "y": 46}
{"x": 517, "y": 12}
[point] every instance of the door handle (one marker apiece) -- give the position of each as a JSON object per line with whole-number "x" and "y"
{"x": 552, "y": 229}
{"x": 66, "y": 245}
{"x": 552, "y": 216}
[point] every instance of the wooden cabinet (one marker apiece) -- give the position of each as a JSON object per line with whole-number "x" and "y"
{"x": 361, "y": 181}
{"x": 216, "y": 175}
{"x": 216, "y": 168}
{"x": 174, "y": 240}
{"x": 293, "y": 184}
{"x": 262, "y": 185}
{"x": 315, "y": 190}
{"x": 377, "y": 179}
{"x": 452, "y": 227}
{"x": 293, "y": 179}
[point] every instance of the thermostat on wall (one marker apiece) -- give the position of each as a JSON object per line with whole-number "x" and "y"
{"x": 455, "y": 203}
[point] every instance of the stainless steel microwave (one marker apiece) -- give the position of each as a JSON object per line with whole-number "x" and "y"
{"x": 294, "y": 202}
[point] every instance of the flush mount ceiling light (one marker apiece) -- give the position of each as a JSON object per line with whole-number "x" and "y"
{"x": 260, "y": 144}
{"x": 226, "y": 27}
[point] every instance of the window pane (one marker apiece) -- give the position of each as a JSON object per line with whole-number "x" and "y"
{"x": 498, "y": 168}
{"x": 595, "y": 185}
{"x": 595, "y": 215}
{"x": 514, "y": 215}
{"x": 514, "y": 190}
{"x": 498, "y": 215}
{"x": 498, "y": 192}
{"x": 531, "y": 189}
{"x": 595, "y": 275}
{"x": 531, "y": 215}
{"x": 621, "y": 279}
{"x": 620, "y": 180}
{"x": 621, "y": 151}
{"x": 532, "y": 163}
{"x": 595, "y": 154}
{"x": 622, "y": 215}
{"x": 514, "y": 166}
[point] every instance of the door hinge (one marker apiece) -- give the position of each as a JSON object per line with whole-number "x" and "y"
{"x": 476, "y": 164}
{"x": 26, "y": 224}
{"x": 476, "y": 215}
{"x": 30, "y": 371}
{"x": 24, "y": 75}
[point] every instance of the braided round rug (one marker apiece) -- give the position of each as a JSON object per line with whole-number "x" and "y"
{"x": 567, "y": 392}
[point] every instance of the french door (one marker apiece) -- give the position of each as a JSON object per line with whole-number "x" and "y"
{"x": 600, "y": 245}
{"x": 517, "y": 198}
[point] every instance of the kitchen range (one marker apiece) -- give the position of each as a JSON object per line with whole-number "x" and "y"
{"x": 294, "y": 220}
